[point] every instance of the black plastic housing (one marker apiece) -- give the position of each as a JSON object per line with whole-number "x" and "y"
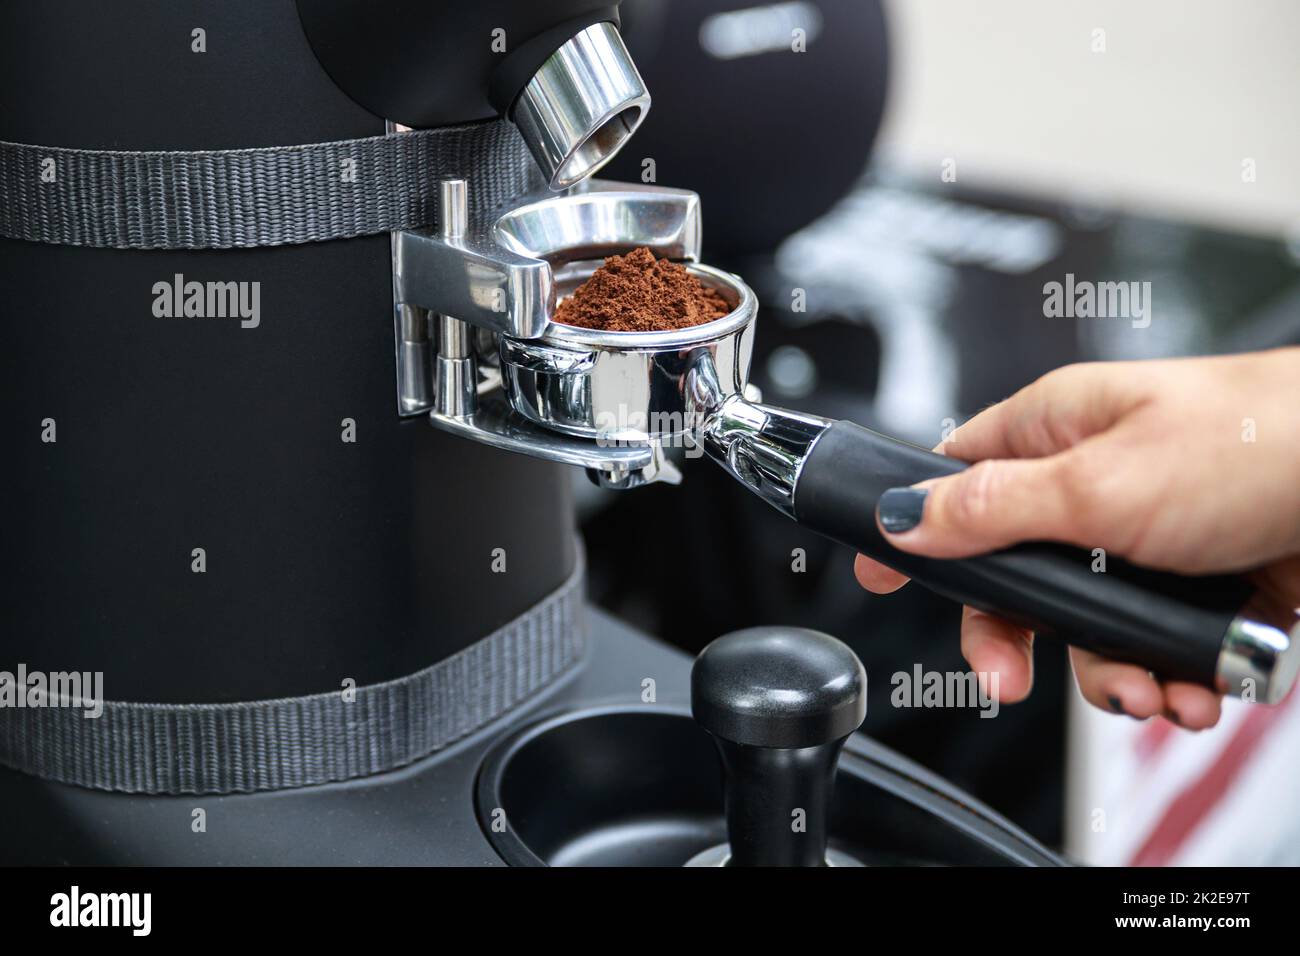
{"x": 325, "y": 560}
{"x": 431, "y": 64}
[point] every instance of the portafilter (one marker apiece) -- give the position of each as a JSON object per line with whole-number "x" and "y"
{"x": 613, "y": 401}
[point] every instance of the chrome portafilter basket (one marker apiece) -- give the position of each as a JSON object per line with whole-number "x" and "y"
{"x": 500, "y": 371}
{"x": 683, "y": 388}
{"x": 633, "y": 389}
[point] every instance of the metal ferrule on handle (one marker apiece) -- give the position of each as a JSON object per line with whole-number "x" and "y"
{"x": 762, "y": 447}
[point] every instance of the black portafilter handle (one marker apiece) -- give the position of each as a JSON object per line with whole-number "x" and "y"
{"x": 779, "y": 702}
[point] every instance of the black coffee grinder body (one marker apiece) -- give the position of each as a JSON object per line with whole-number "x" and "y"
{"x": 232, "y": 512}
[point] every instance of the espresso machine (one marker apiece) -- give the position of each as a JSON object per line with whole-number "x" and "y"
{"x": 320, "y": 544}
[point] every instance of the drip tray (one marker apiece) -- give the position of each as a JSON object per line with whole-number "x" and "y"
{"x": 642, "y": 786}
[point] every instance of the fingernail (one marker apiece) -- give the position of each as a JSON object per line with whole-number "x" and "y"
{"x": 1116, "y": 704}
{"x": 900, "y": 509}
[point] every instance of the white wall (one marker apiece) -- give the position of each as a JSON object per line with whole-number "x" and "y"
{"x": 1160, "y": 122}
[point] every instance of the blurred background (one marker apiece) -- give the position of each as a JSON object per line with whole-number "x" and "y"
{"x": 898, "y": 181}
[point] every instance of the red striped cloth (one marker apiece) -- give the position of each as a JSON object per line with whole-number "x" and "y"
{"x": 1198, "y": 798}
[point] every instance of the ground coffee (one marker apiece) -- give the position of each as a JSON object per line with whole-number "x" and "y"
{"x": 637, "y": 293}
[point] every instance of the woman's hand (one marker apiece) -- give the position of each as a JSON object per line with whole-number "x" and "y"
{"x": 1188, "y": 465}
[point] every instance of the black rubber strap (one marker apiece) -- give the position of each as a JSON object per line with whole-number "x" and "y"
{"x": 237, "y": 198}
{"x": 300, "y": 741}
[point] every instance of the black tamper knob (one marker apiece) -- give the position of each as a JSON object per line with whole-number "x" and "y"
{"x": 780, "y": 703}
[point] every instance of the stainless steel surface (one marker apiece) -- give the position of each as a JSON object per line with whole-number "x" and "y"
{"x": 456, "y": 370}
{"x": 1260, "y": 657}
{"x": 475, "y": 279}
{"x": 581, "y": 105}
{"x": 498, "y": 275}
{"x": 620, "y": 477}
{"x": 627, "y": 387}
{"x": 414, "y": 361}
{"x": 412, "y": 349}
{"x": 453, "y": 338}
{"x": 453, "y": 208}
{"x": 494, "y": 423}
{"x": 762, "y": 447}
{"x": 457, "y": 391}
{"x": 601, "y": 219}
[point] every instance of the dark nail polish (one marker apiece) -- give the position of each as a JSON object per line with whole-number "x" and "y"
{"x": 900, "y": 509}
{"x": 1116, "y": 704}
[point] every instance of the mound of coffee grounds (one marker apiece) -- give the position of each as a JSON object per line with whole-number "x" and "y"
{"x": 637, "y": 293}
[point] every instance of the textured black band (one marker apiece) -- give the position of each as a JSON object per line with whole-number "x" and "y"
{"x": 300, "y": 741}
{"x": 238, "y": 198}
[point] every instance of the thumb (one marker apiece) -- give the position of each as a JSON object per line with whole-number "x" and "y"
{"x": 990, "y": 505}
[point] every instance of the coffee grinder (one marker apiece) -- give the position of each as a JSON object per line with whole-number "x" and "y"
{"x": 302, "y": 597}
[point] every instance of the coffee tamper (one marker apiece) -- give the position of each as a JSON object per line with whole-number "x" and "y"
{"x": 779, "y": 702}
